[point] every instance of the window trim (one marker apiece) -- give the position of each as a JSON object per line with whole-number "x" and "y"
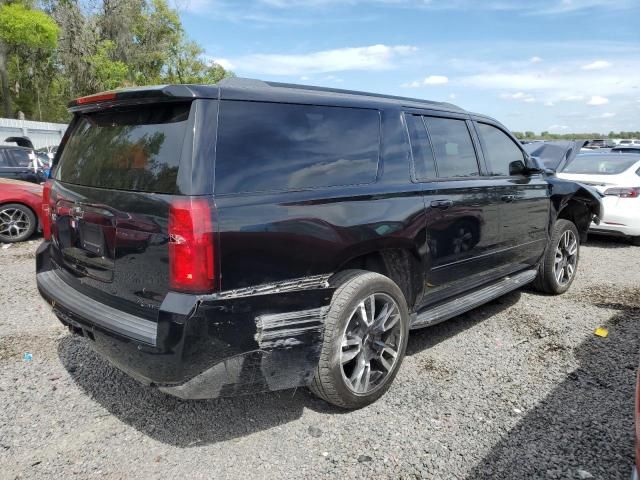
{"x": 487, "y": 160}
{"x": 301, "y": 189}
{"x": 473, "y": 144}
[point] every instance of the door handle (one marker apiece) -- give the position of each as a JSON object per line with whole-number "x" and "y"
{"x": 508, "y": 198}
{"x": 441, "y": 204}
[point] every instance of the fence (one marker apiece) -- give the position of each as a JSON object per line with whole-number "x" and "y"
{"x": 41, "y": 134}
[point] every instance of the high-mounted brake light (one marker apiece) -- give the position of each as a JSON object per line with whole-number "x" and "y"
{"x": 46, "y": 210}
{"x": 98, "y": 97}
{"x": 191, "y": 246}
{"x": 633, "y": 192}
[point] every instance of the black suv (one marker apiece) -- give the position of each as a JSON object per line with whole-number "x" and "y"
{"x": 21, "y": 163}
{"x": 253, "y": 236}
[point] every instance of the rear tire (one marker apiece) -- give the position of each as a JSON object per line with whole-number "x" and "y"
{"x": 635, "y": 241}
{"x": 365, "y": 338}
{"x": 559, "y": 265}
{"x": 17, "y": 223}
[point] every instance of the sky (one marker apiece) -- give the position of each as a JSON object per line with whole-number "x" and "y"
{"x": 539, "y": 65}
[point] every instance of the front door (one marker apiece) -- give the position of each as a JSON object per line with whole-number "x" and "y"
{"x": 462, "y": 215}
{"x": 524, "y": 199}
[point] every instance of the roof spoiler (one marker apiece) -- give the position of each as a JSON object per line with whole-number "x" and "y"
{"x": 142, "y": 94}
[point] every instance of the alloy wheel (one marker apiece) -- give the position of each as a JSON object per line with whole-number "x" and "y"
{"x": 14, "y": 223}
{"x": 566, "y": 258}
{"x": 370, "y": 343}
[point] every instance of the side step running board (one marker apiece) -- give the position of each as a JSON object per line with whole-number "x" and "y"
{"x": 445, "y": 311}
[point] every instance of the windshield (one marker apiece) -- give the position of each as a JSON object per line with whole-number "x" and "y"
{"x": 601, "y": 164}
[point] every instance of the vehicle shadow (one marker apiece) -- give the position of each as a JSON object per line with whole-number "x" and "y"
{"x": 187, "y": 423}
{"x": 170, "y": 420}
{"x": 586, "y": 422}
{"x": 603, "y": 241}
{"x": 425, "y": 338}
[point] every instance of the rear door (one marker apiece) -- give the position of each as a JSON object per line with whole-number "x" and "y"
{"x": 115, "y": 179}
{"x": 462, "y": 217}
{"x": 523, "y": 199}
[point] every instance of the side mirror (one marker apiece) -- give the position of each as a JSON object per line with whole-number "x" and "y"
{"x": 517, "y": 168}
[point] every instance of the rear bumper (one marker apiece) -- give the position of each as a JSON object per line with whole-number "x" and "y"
{"x": 232, "y": 343}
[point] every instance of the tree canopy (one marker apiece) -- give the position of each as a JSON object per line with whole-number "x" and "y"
{"x": 52, "y": 51}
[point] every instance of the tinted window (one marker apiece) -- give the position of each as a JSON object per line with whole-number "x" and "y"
{"x": 19, "y": 158}
{"x": 271, "y": 146}
{"x": 127, "y": 149}
{"x": 3, "y": 158}
{"x": 423, "y": 161}
{"x": 499, "y": 150}
{"x": 453, "y": 147}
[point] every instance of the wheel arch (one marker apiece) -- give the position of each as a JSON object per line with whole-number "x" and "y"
{"x": 581, "y": 207}
{"x": 401, "y": 264}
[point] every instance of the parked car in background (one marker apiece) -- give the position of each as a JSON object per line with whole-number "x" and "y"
{"x": 21, "y": 163}
{"x": 20, "y": 210}
{"x": 556, "y": 154}
{"x": 599, "y": 143}
{"x": 617, "y": 177}
{"x": 626, "y": 149}
{"x": 49, "y": 151}
{"x": 336, "y": 222}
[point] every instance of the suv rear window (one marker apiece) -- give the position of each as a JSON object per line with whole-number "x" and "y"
{"x": 273, "y": 146}
{"x": 135, "y": 149}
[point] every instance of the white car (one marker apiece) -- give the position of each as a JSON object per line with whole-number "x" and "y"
{"x": 618, "y": 178}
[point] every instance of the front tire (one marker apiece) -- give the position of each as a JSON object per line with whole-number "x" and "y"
{"x": 17, "y": 223}
{"x": 365, "y": 339}
{"x": 635, "y": 241}
{"x": 558, "y": 267}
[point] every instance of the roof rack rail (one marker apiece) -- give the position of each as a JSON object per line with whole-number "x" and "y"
{"x": 240, "y": 82}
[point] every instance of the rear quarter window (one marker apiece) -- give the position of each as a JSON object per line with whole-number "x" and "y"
{"x": 273, "y": 146}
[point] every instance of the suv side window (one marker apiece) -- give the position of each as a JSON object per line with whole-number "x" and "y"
{"x": 453, "y": 147}
{"x": 499, "y": 149}
{"x": 4, "y": 160}
{"x": 277, "y": 146}
{"x": 423, "y": 161}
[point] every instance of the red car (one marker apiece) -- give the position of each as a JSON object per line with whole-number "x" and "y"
{"x": 20, "y": 209}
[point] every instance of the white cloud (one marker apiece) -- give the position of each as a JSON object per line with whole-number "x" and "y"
{"x": 535, "y": 60}
{"x": 224, "y": 63}
{"x": 608, "y": 115}
{"x": 304, "y": 78}
{"x": 556, "y": 128}
{"x": 436, "y": 80}
{"x": 549, "y": 103}
{"x": 597, "y": 65}
{"x": 598, "y": 100}
{"x": 452, "y": 96}
{"x": 374, "y": 57}
{"x": 519, "y": 96}
{"x": 414, "y": 84}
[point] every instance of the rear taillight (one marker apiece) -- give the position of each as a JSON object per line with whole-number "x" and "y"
{"x": 191, "y": 246}
{"x": 631, "y": 192}
{"x": 46, "y": 210}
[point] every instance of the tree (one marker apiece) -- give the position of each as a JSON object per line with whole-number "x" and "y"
{"x": 529, "y": 134}
{"x": 82, "y": 47}
{"x": 26, "y": 34}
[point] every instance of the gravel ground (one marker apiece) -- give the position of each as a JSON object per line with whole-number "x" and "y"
{"x": 519, "y": 388}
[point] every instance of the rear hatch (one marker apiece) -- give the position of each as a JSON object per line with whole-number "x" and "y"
{"x": 116, "y": 176}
